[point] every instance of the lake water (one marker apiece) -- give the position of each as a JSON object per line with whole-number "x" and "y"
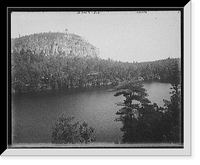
{"x": 33, "y": 114}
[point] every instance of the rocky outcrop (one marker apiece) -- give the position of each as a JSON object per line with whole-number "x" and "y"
{"x": 67, "y": 44}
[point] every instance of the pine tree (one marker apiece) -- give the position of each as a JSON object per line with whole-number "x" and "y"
{"x": 138, "y": 115}
{"x": 173, "y": 108}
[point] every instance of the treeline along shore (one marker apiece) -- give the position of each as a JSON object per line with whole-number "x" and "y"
{"x": 50, "y": 61}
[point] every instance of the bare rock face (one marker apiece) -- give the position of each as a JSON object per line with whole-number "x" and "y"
{"x": 56, "y": 43}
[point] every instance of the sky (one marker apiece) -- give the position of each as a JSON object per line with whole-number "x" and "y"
{"x": 122, "y": 36}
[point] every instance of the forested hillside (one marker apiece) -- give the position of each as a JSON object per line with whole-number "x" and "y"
{"x": 48, "y": 61}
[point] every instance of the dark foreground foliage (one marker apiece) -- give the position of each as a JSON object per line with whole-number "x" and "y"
{"x": 65, "y": 131}
{"x": 144, "y": 122}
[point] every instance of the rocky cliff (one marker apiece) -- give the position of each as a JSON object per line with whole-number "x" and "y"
{"x": 54, "y": 43}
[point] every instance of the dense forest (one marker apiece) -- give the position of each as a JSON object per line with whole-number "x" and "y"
{"x": 48, "y": 61}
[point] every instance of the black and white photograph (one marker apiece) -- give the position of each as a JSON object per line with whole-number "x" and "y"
{"x": 97, "y": 79}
